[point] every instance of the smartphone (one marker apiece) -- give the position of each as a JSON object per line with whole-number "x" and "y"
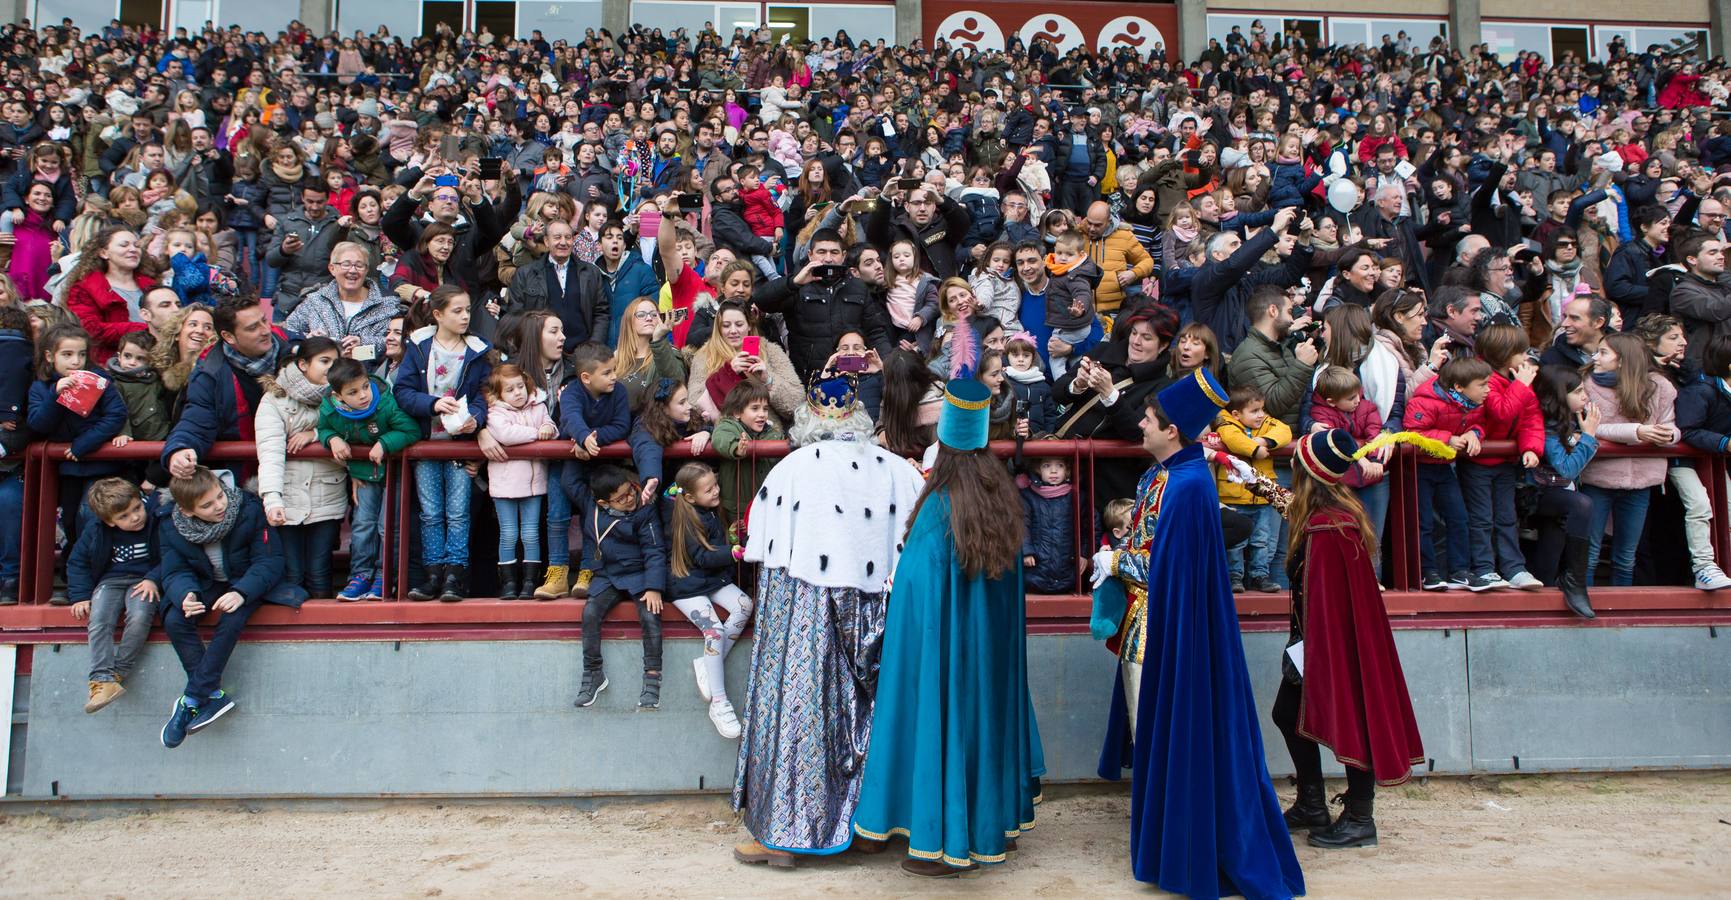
{"x": 850, "y": 364}
{"x": 751, "y": 345}
{"x": 450, "y": 147}
{"x": 690, "y": 203}
{"x": 908, "y": 184}
{"x": 825, "y": 273}
{"x": 363, "y": 353}
{"x": 492, "y": 168}
{"x": 856, "y": 207}
{"x": 648, "y": 221}
{"x": 446, "y": 181}
{"x": 1296, "y": 225}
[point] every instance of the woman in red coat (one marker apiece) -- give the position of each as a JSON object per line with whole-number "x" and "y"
{"x": 1341, "y": 683}
{"x": 104, "y": 288}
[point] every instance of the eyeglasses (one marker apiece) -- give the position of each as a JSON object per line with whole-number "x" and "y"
{"x": 445, "y": 198}
{"x": 645, "y": 315}
{"x": 351, "y": 266}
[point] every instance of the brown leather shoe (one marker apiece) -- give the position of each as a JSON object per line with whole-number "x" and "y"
{"x": 752, "y": 852}
{"x": 931, "y": 868}
{"x": 103, "y": 693}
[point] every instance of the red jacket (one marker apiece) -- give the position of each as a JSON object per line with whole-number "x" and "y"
{"x": 1364, "y": 423}
{"x": 103, "y": 313}
{"x": 1434, "y": 414}
{"x": 1511, "y": 413}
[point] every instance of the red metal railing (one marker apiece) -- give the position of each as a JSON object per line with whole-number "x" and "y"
{"x": 41, "y": 492}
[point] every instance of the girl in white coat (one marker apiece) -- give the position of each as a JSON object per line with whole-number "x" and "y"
{"x": 306, "y": 499}
{"x": 517, "y": 414}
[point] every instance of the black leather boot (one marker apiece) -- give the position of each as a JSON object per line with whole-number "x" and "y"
{"x": 429, "y": 589}
{"x": 456, "y": 584}
{"x": 1310, "y": 810}
{"x": 508, "y": 581}
{"x": 531, "y": 581}
{"x": 1573, "y": 578}
{"x": 1355, "y": 828}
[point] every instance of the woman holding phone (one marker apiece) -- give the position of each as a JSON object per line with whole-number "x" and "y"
{"x": 735, "y": 352}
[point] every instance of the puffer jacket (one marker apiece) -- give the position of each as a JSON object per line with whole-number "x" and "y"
{"x": 322, "y": 312}
{"x": 1050, "y": 539}
{"x": 308, "y": 266}
{"x": 1032, "y": 388}
{"x": 1511, "y": 413}
{"x": 1434, "y": 414}
{"x": 1117, "y": 251}
{"x": 708, "y": 569}
{"x": 382, "y": 423}
{"x": 307, "y": 490}
{"x": 518, "y": 477}
{"x": 1704, "y": 415}
{"x": 1242, "y": 442}
{"x": 1622, "y": 473}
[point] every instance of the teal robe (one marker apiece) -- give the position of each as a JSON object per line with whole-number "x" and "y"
{"x": 955, "y": 760}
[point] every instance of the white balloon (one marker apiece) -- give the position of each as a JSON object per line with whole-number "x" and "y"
{"x": 1343, "y": 196}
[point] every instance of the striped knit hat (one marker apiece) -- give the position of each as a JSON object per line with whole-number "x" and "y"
{"x": 1326, "y": 455}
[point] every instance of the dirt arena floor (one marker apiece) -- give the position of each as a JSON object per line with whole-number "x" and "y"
{"x": 1523, "y": 837}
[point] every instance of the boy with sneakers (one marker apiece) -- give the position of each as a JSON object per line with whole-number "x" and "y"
{"x": 594, "y": 415}
{"x": 1511, "y": 413}
{"x": 622, "y": 533}
{"x": 113, "y": 569}
{"x": 359, "y": 411}
{"x": 1251, "y": 434}
{"x": 218, "y": 552}
{"x": 1446, "y": 408}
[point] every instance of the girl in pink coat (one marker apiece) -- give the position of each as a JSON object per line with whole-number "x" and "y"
{"x": 517, "y": 414}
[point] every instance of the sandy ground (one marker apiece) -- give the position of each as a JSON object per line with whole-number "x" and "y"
{"x": 1527, "y": 837}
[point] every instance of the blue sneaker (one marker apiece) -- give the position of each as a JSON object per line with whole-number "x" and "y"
{"x": 359, "y": 587}
{"x": 375, "y": 588}
{"x": 175, "y": 731}
{"x": 219, "y": 704}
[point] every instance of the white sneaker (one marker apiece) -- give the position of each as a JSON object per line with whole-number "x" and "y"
{"x": 1524, "y": 581}
{"x": 1711, "y": 578}
{"x": 702, "y": 678}
{"x": 726, "y": 723}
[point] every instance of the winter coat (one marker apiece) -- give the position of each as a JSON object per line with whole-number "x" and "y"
{"x": 1626, "y": 277}
{"x": 983, "y": 206}
{"x": 384, "y": 423}
{"x": 1064, "y": 289}
{"x": 1705, "y": 308}
{"x": 248, "y": 215}
{"x": 1704, "y": 415}
{"x": 216, "y": 400}
{"x": 1033, "y": 389}
{"x": 1050, "y": 540}
{"x": 583, "y": 306}
{"x": 518, "y": 477}
{"x": 729, "y": 228}
{"x": 310, "y": 265}
{"x": 707, "y": 569}
{"x": 87, "y": 434}
{"x": 740, "y": 477}
{"x": 1271, "y": 367}
{"x": 65, "y": 203}
{"x": 1242, "y": 443}
{"x": 633, "y": 553}
{"x": 818, "y": 313}
{"x": 476, "y": 237}
{"x": 1123, "y": 419}
{"x": 322, "y": 311}
{"x": 307, "y": 490}
{"x": 251, "y": 557}
{"x": 1624, "y": 473}
{"x": 89, "y": 561}
{"x": 1511, "y": 413}
{"x": 1116, "y": 252}
{"x": 104, "y": 313}
{"x": 17, "y": 376}
{"x": 1434, "y": 414}
{"x": 147, "y": 413}
{"x": 581, "y": 414}
{"x": 634, "y": 278}
{"x": 1221, "y": 288}
{"x": 1000, "y": 298}
{"x": 940, "y": 238}
{"x": 411, "y": 387}
{"x": 1363, "y": 423}
{"x": 281, "y": 196}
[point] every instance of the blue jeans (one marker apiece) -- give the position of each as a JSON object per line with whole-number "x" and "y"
{"x": 11, "y": 523}
{"x": 268, "y": 276}
{"x": 519, "y": 517}
{"x": 558, "y": 517}
{"x": 442, "y": 487}
{"x": 204, "y": 663}
{"x": 1495, "y": 535}
{"x": 1628, "y": 511}
{"x": 364, "y": 532}
{"x": 246, "y": 252}
{"x": 1440, "y": 494}
{"x": 1375, "y": 502}
{"x": 1250, "y": 557}
{"x": 1277, "y": 564}
{"x": 307, "y": 551}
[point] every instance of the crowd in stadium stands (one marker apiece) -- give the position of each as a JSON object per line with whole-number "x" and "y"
{"x": 679, "y": 240}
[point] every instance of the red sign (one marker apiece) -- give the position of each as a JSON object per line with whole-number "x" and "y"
{"x": 1143, "y": 27}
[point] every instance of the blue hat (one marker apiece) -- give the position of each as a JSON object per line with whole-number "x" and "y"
{"x": 1326, "y": 455}
{"x": 1192, "y": 402}
{"x": 966, "y": 416}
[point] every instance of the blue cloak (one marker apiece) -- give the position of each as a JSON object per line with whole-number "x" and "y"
{"x": 955, "y": 759}
{"x": 1204, "y": 820}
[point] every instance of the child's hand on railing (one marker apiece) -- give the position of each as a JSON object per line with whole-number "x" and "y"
{"x": 340, "y": 449}
{"x": 377, "y": 454}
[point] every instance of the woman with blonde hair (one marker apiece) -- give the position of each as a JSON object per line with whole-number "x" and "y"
{"x": 644, "y": 354}
{"x": 722, "y": 363}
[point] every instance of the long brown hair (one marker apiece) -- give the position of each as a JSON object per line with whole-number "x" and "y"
{"x": 985, "y": 517}
{"x": 1634, "y": 364}
{"x": 686, "y": 528}
{"x": 1311, "y": 495}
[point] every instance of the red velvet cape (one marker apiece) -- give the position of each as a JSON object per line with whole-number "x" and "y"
{"x": 1355, "y": 700}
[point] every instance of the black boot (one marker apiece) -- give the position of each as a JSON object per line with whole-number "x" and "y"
{"x": 508, "y": 581}
{"x": 1310, "y": 810}
{"x": 1573, "y": 578}
{"x": 1354, "y": 828}
{"x": 429, "y": 589}
{"x": 531, "y": 581}
{"x": 456, "y": 584}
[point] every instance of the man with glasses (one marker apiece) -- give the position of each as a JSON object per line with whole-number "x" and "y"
{"x": 842, "y": 164}
{"x": 934, "y": 222}
{"x": 349, "y": 308}
{"x": 477, "y": 232}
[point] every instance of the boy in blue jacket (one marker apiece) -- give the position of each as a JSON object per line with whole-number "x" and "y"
{"x": 594, "y": 415}
{"x": 113, "y": 569}
{"x": 623, "y": 535}
{"x": 218, "y": 552}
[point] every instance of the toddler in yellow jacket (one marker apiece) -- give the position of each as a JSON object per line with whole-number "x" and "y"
{"x": 1249, "y": 433}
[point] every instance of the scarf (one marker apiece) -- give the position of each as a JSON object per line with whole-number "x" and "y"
{"x": 293, "y": 382}
{"x": 257, "y": 368}
{"x": 1058, "y": 268}
{"x": 290, "y": 174}
{"x": 900, "y": 299}
{"x": 1605, "y": 379}
{"x": 200, "y": 532}
{"x": 344, "y": 410}
{"x": 118, "y": 369}
{"x": 1184, "y": 235}
{"x": 1565, "y": 278}
{"x": 1457, "y": 397}
{"x": 1041, "y": 489}
{"x": 1025, "y": 376}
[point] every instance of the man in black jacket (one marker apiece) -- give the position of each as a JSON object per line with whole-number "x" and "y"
{"x": 819, "y": 309}
{"x": 565, "y": 285}
{"x": 727, "y": 222}
{"x": 1079, "y": 166}
{"x": 934, "y": 223}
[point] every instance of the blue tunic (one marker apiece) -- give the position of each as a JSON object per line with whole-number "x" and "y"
{"x": 955, "y": 760}
{"x": 1204, "y": 820}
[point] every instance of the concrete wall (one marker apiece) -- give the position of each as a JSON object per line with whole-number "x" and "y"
{"x": 465, "y": 718}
